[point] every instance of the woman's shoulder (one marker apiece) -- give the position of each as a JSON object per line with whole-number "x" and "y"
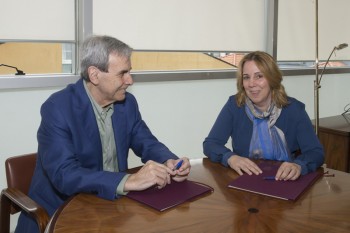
{"x": 295, "y": 109}
{"x": 232, "y": 98}
{"x": 232, "y": 102}
{"x": 232, "y": 107}
{"x": 293, "y": 103}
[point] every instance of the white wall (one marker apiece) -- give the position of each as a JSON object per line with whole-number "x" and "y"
{"x": 179, "y": 113}
{"x": 19, "y": 122}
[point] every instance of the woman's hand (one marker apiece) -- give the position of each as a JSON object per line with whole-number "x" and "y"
{"x": 288, "y": 171}
{"x": 242, "y": 164}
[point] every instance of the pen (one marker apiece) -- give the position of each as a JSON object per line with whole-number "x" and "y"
{"x": 269, "y": 178}
{"x": 178, "y": 165}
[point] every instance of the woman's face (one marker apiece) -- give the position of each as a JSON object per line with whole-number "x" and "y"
{"x": 256, "y": 86}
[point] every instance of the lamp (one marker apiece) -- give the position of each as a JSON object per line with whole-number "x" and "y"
{"x": 317, "y": 84}
{"x": 19, "y": 72}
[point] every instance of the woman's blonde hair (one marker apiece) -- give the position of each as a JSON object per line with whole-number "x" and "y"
{"x": 268, "y": 66}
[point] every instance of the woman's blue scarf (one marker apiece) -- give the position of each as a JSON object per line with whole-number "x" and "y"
{"x": 268, "y": 141}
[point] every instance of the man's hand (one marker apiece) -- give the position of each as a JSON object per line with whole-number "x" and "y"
{"x": 152, "y": 173}
{"x": 181, "y": 174}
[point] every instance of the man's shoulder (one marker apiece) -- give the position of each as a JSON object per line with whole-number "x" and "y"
{"x": 130, "y": 99}
{"x": 129, "y": 96}
{"x": 67, "y": 95}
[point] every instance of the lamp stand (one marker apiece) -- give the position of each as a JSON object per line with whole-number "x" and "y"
{"x": 316, "y": 82}
{"x": 318, "y": 78}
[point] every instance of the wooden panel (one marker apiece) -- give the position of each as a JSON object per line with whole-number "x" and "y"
{"x": 334, "y": 134}
{"x": 336, "y": 150}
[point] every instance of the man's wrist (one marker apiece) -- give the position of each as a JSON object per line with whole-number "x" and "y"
{"x": 121, "y": 185}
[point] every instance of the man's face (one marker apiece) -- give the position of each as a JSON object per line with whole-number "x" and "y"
{"x": 111, "y": 86}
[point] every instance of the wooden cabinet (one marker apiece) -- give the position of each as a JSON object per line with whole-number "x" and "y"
{"x": 334, "y": 134}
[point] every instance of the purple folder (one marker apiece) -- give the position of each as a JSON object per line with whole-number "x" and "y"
{"x": 287, "y": 190}
{"x": 171, "y": 195}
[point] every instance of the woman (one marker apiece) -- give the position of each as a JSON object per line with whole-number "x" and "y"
{"x": 264, "y": 123}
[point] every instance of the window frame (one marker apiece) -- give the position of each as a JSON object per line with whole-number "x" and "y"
{"x": 83, "y": 28}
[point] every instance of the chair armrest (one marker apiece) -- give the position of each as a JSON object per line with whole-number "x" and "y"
{"x": 13, "y": 196}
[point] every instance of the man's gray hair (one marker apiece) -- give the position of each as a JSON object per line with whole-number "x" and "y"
{"x": 95, "y": 51}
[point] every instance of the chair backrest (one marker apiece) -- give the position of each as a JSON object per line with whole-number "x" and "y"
{"x": 19, "y": 172}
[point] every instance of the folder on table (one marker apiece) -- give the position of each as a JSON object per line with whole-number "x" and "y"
{"x": 287, "y": 190}
{"x": 171, "y": 195}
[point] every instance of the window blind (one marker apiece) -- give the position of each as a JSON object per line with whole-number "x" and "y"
{"x": 297, "y": 29}
{"x": 37, "y": 20}
{"x": 191, "y": 25}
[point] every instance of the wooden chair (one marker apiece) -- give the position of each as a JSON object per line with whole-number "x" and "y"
{"x": 19, "y": 172}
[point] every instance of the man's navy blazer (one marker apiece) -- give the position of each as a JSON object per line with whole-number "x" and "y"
{"x": 70, "y": 152}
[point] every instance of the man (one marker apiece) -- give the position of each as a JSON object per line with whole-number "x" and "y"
{"x": 87, "y": 130}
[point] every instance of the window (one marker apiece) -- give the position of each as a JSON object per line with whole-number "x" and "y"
{"x": 296, "y": 46}
{"x": 37, "y": 41}
{"x": 68, "y": 56}
{"x": 37, "y": 58}
{"x": 177, "y": 61}
{"x": 205, "y": 36}
{"x": 171, "y": 37}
